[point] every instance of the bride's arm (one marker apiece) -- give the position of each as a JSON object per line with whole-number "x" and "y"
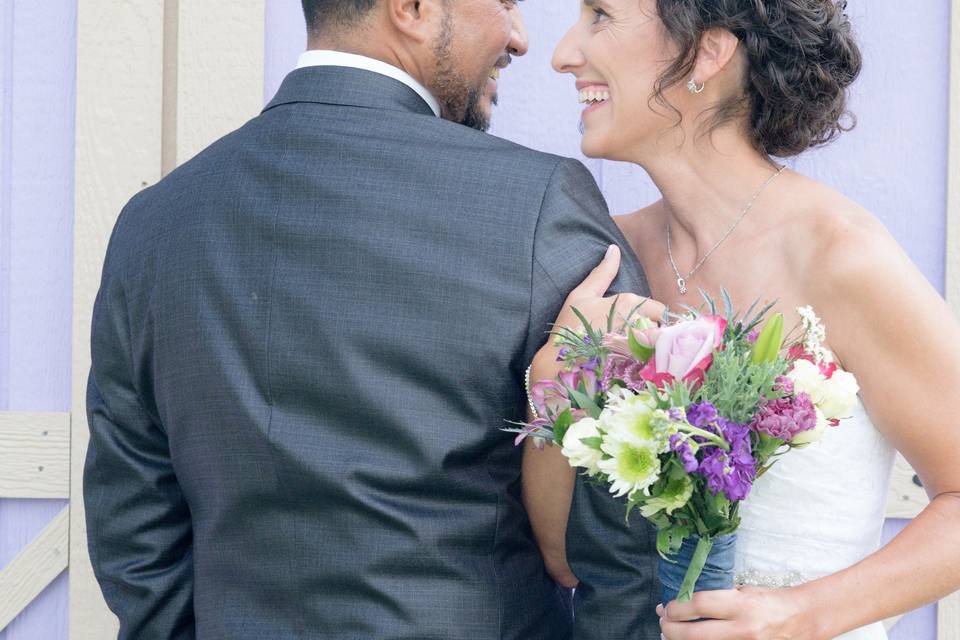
{"x": 548, "y": 479}
{"x": 893, "y": 331}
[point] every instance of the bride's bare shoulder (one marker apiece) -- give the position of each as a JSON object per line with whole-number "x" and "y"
{"x": 640, "y": 223}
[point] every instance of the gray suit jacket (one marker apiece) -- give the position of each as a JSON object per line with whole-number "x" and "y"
{"x": 305, "y": 344}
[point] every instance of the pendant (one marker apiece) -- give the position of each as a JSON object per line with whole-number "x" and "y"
{"x": 682, "y": 285}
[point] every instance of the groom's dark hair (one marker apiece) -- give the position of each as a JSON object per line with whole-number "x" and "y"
{"x": 336, "y": 13}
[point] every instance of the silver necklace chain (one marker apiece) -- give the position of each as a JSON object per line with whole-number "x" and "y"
{"x": 681, "y": 280}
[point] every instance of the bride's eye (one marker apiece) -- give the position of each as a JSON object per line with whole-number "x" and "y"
{"x": 599, "y": 15}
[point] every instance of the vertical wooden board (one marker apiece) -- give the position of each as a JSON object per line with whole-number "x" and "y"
{"x": 953, "y": 165}
{"x": 220, "y": 53}
{"x": 118, "y": 152}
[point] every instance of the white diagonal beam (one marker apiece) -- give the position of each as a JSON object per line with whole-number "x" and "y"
{"x": 34, "y": 568}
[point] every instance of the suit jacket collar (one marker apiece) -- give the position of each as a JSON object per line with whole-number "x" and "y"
{"x": 349, "y": 87}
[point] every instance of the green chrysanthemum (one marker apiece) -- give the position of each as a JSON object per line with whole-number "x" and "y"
{"x": 631, "y": 466}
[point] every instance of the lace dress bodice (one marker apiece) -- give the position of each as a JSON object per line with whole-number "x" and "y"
{"x": 818, "y": 510}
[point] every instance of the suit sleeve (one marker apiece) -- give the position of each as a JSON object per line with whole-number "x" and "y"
{"x": 573, "y": 232}
{"x": 138, "y": 522}
{"x": 615, "y": 562}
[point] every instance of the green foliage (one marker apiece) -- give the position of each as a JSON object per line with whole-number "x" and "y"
{"x": 734, "y": 384}
{"x": 769, "y": 342}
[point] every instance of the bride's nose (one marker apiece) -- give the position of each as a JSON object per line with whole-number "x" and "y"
{"x": 567, "y": 57}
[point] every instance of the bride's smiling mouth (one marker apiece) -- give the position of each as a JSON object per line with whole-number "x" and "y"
{"x": 593, "y": 95}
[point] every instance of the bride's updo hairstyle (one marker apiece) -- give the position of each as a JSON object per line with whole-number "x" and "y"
{"x": 801, "y": 58}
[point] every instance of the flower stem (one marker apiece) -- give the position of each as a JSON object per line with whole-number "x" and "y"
{"x": 704, "y": 545}
{"x": 712, "y": 437}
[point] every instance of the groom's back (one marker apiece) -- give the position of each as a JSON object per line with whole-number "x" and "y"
{"x": 330, "y": 311}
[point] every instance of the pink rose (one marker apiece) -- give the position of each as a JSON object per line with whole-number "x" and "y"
{"x": 686, "y": 348}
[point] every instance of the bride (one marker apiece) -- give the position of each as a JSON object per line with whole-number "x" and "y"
{"x": 703, "y": 95}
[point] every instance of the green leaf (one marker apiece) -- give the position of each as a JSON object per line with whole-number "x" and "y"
{"x": 610, "y": 316}
{"x": 594, "y": 442}
{"x": 585, "y": 402}
{"x": 639, "y": 351}
{"x": 561, "y": 425}
{"x": 583, "y": 320}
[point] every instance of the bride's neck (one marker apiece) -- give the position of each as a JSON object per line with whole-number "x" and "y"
{"x": 706, "y": 182}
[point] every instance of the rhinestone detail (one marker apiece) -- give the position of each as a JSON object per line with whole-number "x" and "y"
{"x": 753, "y": 578}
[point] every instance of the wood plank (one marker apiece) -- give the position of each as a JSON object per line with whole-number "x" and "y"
{"x": 34, "y": 568}
{"x": 953, "y": 165}
{"x": 34, "y": 455}
{"x": 906, "y": 498}
{"x": 219, "y": 70}
{"x": 948, "y": 618}
{"x": 118, "y": 152}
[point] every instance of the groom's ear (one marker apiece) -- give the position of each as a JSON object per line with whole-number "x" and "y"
{"x": 718, "y": 51}
{"x": 419, "y": 20}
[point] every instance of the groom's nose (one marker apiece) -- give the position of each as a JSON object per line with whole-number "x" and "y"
{"x": 519, "y": 42}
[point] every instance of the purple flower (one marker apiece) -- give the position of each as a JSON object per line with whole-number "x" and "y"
{"x": 623, "y": 368}
{"x": 784, "y": 385}
{"x": 681, "y": 445}
{"x": 753, "y": 335}
{"x": 731, "y": 472}
{"x": 784, "y": 418}
{"x": 702, "y": 414}
{"x": 677, "y": 415}
{"x": 562, "y": 354}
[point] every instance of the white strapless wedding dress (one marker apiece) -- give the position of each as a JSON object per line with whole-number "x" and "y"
{"x": 818, "y": 510}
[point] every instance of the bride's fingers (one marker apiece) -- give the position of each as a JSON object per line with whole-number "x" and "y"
{"x": 602, "y": 276}
{"x": 721, "y": 604}
{"x": 706, "y": 630}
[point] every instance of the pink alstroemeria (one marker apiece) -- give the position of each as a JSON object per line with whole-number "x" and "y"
{"x": 534, "y": 430}
{"x": 549, "y": 397}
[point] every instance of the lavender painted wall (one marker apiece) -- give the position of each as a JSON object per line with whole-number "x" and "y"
{"x": 893, "y": 163}
{"x": 37, "y": 53}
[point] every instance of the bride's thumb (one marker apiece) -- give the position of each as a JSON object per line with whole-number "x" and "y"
{"x": 603, "y": 275}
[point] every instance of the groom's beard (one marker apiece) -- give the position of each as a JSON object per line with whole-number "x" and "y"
{"x": 460, "y": 101}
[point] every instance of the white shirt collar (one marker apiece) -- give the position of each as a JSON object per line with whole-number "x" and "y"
{"x": 328, "y": 58}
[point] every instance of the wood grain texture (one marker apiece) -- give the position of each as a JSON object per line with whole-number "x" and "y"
{"x": 118, "y": 152}
{"x": 30, "y": 572}
{"x": 219, "y": 70}
{"x": 948, "y": 618}
{"x": 953, "y": 165}
{"x": 34, "y": 455}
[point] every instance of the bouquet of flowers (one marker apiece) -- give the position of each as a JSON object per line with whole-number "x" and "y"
{"x": 680, "y": 418}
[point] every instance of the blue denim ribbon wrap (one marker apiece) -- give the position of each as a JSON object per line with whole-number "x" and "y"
{"x": 717, "y": 572}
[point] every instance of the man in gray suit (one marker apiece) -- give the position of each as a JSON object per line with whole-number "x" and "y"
{"x": 308, "y": 337}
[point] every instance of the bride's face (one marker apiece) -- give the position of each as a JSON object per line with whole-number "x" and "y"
{"x": 616, "y": 51}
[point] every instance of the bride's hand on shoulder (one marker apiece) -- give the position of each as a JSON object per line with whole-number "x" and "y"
{"x": 589, "y": 299}
{"x": 746, "y": 613}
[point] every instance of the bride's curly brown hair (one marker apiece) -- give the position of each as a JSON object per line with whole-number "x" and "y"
{"x": 801, "y": 58}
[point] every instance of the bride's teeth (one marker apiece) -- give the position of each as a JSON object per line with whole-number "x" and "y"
{"x": 595, "y": 96}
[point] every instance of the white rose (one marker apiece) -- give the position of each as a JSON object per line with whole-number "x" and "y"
{"x": 812, "y": 435}
{"x": 576, "y": 452}
{"x": 807, "y": 379}
{"x": 839, "y": 395}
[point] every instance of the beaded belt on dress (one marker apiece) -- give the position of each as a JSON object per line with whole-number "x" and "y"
{"x": 753, "y": 578}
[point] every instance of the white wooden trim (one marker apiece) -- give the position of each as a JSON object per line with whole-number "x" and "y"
{"x": 34, "y": 568}
{"x": 34, "y": 455}
{"x": 118, "y": 152}
{"x": 219, "y": 70}
{"x": 948, "y": 609}
{"x": 953, "y": 165}
{"x": 948, "y": 618}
